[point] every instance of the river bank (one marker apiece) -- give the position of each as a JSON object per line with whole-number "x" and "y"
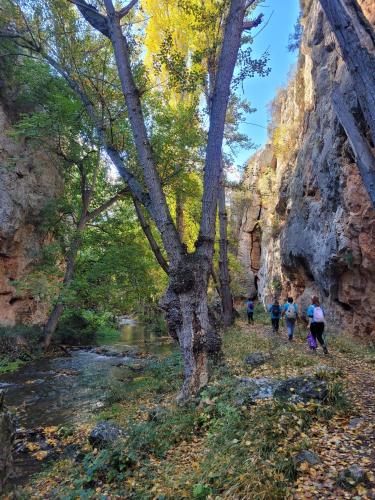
{"x": 232, "y": 440}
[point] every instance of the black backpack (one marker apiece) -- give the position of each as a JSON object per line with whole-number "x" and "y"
{"x": 275, "y": 310}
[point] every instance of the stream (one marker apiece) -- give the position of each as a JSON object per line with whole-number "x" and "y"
{"x": 69, "y": 390}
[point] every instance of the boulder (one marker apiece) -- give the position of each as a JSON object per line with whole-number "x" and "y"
{"x": 255, "y": 389}
{"x": 294, "y": 389}
{"x": 351, "y": 476}
{"x": 104, "y": 434}
{"x": 306, "y": 456}
{"x": 355, "y": 422}
{"x": 302, "y": 389}
{"x": 256, "y": 359}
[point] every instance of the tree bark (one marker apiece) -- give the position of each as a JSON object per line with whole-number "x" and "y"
{"x": 186, "y": 307}
{"x": 356, "y": 39}
{"x": 224, "y": 277}
{"x": 362, "y": 152}
{"x": 180, "y": 221}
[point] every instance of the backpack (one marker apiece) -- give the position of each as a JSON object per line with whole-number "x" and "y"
{"x": 275, "y": 310}
{"x": 250, "y": 306}
{"x": 311, "y": 341}
{"x": 318, "y": 315}
{"x": 291, "y": 311}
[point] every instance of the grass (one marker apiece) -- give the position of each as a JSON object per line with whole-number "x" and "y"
{"x": 350, "y": 346}
{"x": 9, "y": 365}
{"x": 213, "y": 447}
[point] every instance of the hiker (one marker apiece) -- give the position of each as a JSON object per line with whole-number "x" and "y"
{"x": 250, "y": 310}
{"x": 290, "y": 311}
{"x": 275, "y": 312}
{"x": 317, "y": 321}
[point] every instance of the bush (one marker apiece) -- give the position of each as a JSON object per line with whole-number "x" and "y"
{"x": 18, "y": 344}
{"x": 85, "y": 326}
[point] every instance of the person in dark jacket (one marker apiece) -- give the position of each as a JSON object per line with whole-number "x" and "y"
{"x": 250, "y": 310}
{"x": 275, "y": 313}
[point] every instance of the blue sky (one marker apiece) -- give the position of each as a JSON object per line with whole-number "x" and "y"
{"x": 260, "y": 91}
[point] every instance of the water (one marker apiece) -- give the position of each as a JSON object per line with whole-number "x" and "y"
{"x": 65, "y": 391}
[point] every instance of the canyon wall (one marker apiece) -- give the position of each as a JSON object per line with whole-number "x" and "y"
{"x": 29, "y": 178}
{"x": 315, "y": 222}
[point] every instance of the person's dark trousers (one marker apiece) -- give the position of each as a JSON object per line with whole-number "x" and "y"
{"x": 250, "y": 317}
{"x": 317, "y": 330}
{"x": 275, "y": 324}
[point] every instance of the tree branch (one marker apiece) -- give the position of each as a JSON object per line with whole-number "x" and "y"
{"x": 122, "y": 12}
{"x": 254, "y": 23}
{"x": 150, "y": 237}
{"x": 249, "y": 3}
{"x": 218, "y": 110}
{"x": 92, "y": 16}
{"x": 97, "y": 211}
{"x": 362, "y": 151}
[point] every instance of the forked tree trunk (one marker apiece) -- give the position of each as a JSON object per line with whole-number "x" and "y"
{"x": 224, "y": 277}
{"x": 185, "y": 302}
{"x": 186, "y": 306}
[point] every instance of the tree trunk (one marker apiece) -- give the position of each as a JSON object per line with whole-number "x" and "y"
{"x": 57, "y": 311}
{"x": 185, "y": 302}
{"x": 7, "y": 430}
{"x": 362, "y": 151}
{"x": 356, "y": 39}
{"x": 186, "y": 306}
{"x": 225, "y": 292}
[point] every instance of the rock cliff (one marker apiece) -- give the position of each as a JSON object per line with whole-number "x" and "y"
{"x": 28, "y": 179}
{"x": 315, "y": 222}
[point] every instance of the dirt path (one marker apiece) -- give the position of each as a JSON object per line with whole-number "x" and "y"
{"x": 344, "y": 441}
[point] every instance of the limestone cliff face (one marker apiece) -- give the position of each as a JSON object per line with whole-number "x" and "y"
{"x": 317, "y": 223}
{"x": 28, "y": 179}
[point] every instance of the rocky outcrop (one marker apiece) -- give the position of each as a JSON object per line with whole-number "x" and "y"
{"x": 317, "y": 222}
{"x": 29, "y": 178}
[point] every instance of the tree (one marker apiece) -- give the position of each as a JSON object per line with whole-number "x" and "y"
{"x": 59, "y": 122}
{"x": 356, "y": 39}
{"x": 185, "y": 301}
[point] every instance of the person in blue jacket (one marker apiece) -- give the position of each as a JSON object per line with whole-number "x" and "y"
{"x": 275, "y": 313}
{"x": 316, "y": 315}
{"x": 290, "y": 311}
{"x": 250, "y": 310}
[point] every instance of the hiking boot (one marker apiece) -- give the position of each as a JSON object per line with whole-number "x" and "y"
{"x": 325, "y": 350}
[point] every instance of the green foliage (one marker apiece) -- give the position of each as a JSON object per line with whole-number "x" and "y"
{"x": 9, "y": 365}
{"x": 85, "y": 326}
{"x": 18, "y": 345}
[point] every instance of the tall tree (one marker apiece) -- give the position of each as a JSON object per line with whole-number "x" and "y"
{"x": 185, "y": 301}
